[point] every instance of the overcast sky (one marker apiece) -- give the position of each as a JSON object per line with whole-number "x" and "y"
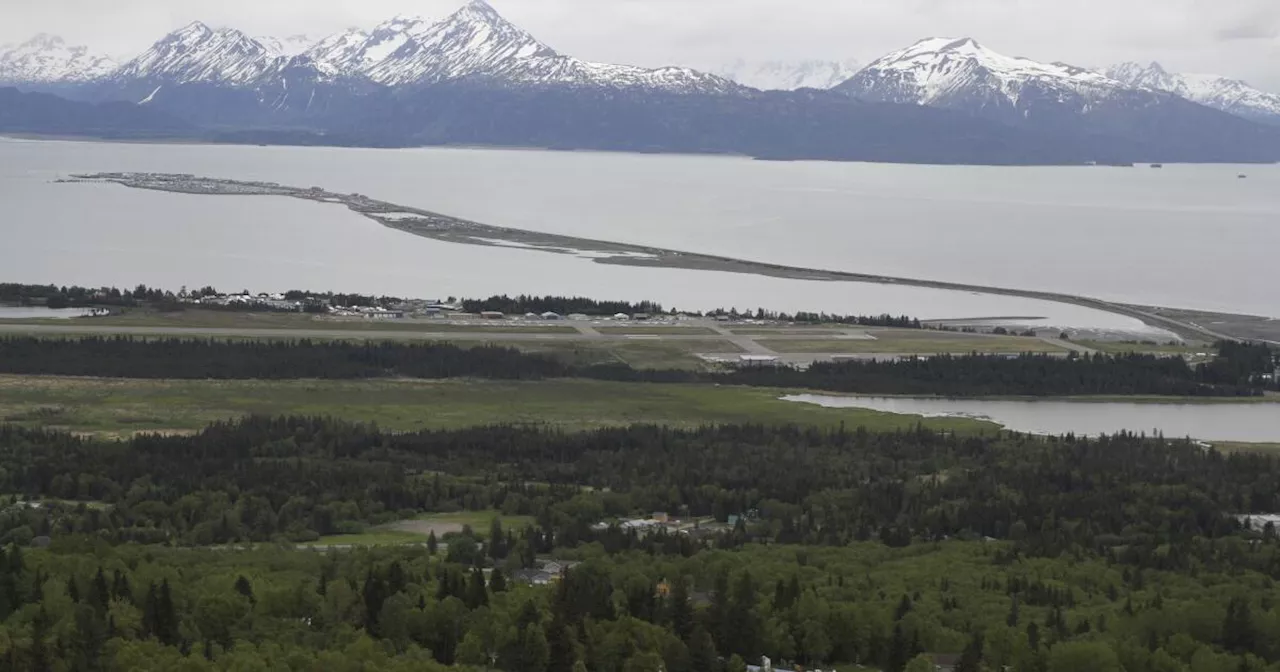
{"x": 1233, "y": 37}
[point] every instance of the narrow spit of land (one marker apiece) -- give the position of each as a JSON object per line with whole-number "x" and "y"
{"x": 446, "y": 228}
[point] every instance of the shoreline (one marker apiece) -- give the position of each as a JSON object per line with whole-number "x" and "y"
{"x": 445, "y": 228}
{"x": 1143, "y": 400}
{"x": 206, "y": 140}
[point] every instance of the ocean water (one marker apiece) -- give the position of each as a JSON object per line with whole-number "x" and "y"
{"x": 1185, "y": 236}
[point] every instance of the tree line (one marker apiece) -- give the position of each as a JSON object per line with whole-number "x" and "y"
{"x": 125, "y": 357}
{"x": 1238, "y": 371}
{"x": 55, "y": 296}
{"x": 562, "y": 305}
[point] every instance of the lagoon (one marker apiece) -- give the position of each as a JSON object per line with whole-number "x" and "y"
{"x": 39, "y": 313}
{"x": 1215, "y": 421}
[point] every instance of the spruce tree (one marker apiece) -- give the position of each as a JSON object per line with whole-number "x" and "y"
{"x": 150, "y": 615}
{"x": 718, "y": 615}
{"x": 39, "y": 652}
{"x": 560, "y": 644}
{"x": 120, "y": 589}
{"x": 702, "y": 651}
{"x": 899, "y": 651}
{"x": 497, "y": 540}
{"x": 497, "y": 581}
{"x": 101, "y": 596}
{"x": 477, "y": 594}
{"x": 681, "y": 611}
{"x": 245, "y": 588}
{"x": 167, "y": 622}
{"x": 971, "y": 657}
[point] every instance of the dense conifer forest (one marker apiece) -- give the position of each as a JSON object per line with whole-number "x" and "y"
{"x": 846, "y": 547}
{"x": 1237, "y": 371}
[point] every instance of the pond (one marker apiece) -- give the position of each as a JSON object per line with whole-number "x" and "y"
{"x": 39, "y": 313}
{"x": 1246, "y": 422}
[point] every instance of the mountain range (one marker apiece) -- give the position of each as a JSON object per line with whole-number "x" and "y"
{"x": 476, "y": 78}
{"x": 48, "y": 59}
{"x": 1221, "y": 93}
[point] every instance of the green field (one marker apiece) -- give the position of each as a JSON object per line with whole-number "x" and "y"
{"x": 640, "y": 354}
{"x": 816, "y": 332}
{"x": 375, "y": 537}
{"x": 228, "y": 319}
{"x": 914, "y": 342}
{"x": 125, "y": 407}
{"x": 1124, "y": 347}
{"x": 1241, "y": 447}
{"x": 657, "y": 330}
{"x": 418, "y": 530}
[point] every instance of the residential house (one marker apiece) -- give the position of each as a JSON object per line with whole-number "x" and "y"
{"x": 533, "y": 577}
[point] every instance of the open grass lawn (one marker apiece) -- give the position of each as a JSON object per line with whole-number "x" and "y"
{"x": 665, "y": 330}
{"x": 419, "y": 529}
{"x": 640, "y": 354}
{"x": 477, "y": 520}
{"x": 1119, "y": 347}
{"x": 914, "y": 341}
{"x": 111, "y": 407}
{"x": 228, "y": 319}
{"x": 378, "y": 536}
{"x": 816, "y": 332}
{"x": 1239, "y": 447}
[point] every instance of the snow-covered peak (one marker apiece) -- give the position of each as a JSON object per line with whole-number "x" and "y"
{"x": 198, "y": 53}
{"x": 48, "y": 59}
{"x": 962, "y": 73}
{"x": 337, "y": 52}
{"x": 476, "y": 43}
{"x": 473, "y": 41}
{"x": 941, "y": 66}
{"x": 1223, "y": 93}
{"x": 789, "y": 75}
{"x": 356, "y": 52}
{"x": 1131, "y": 72}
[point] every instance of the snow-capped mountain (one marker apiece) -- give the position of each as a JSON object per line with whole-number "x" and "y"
{"x": 947, "y": 72}
{"x": 353, "y": 52}
{"x": 292, "y": 45}
{"x": 1222, "y": 93}
{"x": 48, "y": 59}
{"x": 789, "y": 75}
{"x": 200, "y": 54}
{"x": 1069, "y": 103}
{"x": 477, "y": 44}
{"x": 474, "y": 44}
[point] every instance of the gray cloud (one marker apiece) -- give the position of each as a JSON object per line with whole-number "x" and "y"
{"x": 1234, "y": 37}
{"x": 1262, "y": 23}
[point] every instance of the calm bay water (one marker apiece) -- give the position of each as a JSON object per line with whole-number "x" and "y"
{"x": 1256, "y": 422}
{"x": 1185, "y": 236}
